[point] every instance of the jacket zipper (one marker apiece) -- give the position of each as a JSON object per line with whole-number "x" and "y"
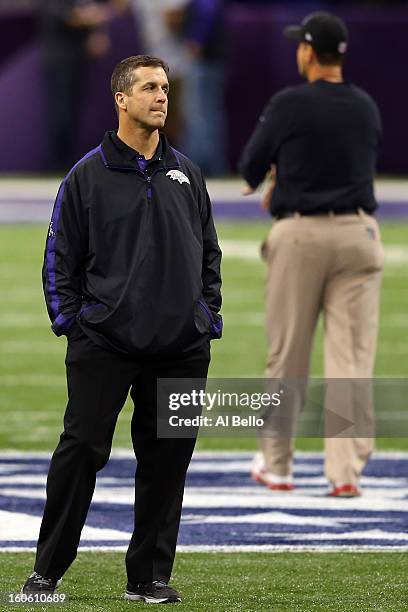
{"x": 149, "y": 188}
{"x": 149, "y": 179}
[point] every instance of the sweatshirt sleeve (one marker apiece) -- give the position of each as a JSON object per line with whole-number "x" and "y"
{"x": 262, "y": 148}
{"x": 64, "y": 256}
{"x": 211, "y": 268}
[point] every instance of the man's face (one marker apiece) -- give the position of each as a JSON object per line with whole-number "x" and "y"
{"x": 147, "y": 104}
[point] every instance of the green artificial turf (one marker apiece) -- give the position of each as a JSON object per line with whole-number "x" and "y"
{"x": 241, "y": 582}
{"x": 32, "y": 400}
{"x": 32, "y": 376}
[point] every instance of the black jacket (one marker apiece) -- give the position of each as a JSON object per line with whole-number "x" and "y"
{"x": 324, "y": 139}
{"x": 132, "y": 255}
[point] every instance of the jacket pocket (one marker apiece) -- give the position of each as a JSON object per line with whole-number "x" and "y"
{"x": 206, "y": 321}
{"x": 93, "y": 313}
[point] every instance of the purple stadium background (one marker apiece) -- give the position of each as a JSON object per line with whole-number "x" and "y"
{"x": 260, "y": 61}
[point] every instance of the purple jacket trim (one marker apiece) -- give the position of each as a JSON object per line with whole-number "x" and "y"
{"x": 102, "y": 154}
{"x": 50, "y": 247}
{"x": 216, "y": 326}
{"x": 177, "y": 154}
{"x": 62, "y": 324}
{"x": 142, "y": 162}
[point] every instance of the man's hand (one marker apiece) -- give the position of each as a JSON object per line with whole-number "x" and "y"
{"x": 98, "y": 43}
{"x": 89, "y": 16}
{"x": 94, "y": 15}
{"x": 248, "y": 190}
{"x": 267, "y": 195}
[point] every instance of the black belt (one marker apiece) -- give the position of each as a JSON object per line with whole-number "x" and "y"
{"x": 320, "y": 213}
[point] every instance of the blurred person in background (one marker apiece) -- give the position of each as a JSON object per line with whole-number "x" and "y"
{"x": 204, "y": 92}
{"x": 324, "y": 250}
{"x": 71, "y": 32}
{"x": 160, "y": 24}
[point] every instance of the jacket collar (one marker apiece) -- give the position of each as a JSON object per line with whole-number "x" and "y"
{"x": 117, "y": 154}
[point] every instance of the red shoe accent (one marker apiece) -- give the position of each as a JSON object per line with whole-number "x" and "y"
{"x": 346, "y": 490}
{"x": 272, "y": 486}
{"x": 283, "y": 486}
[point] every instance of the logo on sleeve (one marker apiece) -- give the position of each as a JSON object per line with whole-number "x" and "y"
{"x": 176, "y": 175}
{"x": 51, "y": 233}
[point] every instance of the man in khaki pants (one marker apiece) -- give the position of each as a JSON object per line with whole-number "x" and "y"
{"x": 324, "y": 250}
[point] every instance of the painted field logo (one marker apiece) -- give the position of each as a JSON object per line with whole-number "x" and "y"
{"x": 223, "y": 508}
{"x": 176, "y": 175}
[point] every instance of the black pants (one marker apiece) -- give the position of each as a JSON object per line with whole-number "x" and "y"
{"x": 98, "y": 384}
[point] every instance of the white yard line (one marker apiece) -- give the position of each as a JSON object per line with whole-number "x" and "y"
{"x": 31, "y": 380}
{"x": 209, "y": 455}
{"x": 17, "y": 347}
{"x": 22, "y": 320}
{"x": 225, "y": 189}
{"x": 395, "y": 255}
{"x": 262, "y": 548}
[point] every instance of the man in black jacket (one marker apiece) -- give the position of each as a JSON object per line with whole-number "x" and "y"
{"x": 324, "y": 251}
{"x": 132, "y": 277}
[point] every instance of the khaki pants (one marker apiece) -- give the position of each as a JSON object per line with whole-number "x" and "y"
{"x": 330, "y": 264}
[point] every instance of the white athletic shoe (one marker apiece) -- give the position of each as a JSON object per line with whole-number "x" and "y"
{"x": 272, "y": 481}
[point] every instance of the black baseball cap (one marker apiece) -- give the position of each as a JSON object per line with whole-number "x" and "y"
{"x": 325, "y": 32}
